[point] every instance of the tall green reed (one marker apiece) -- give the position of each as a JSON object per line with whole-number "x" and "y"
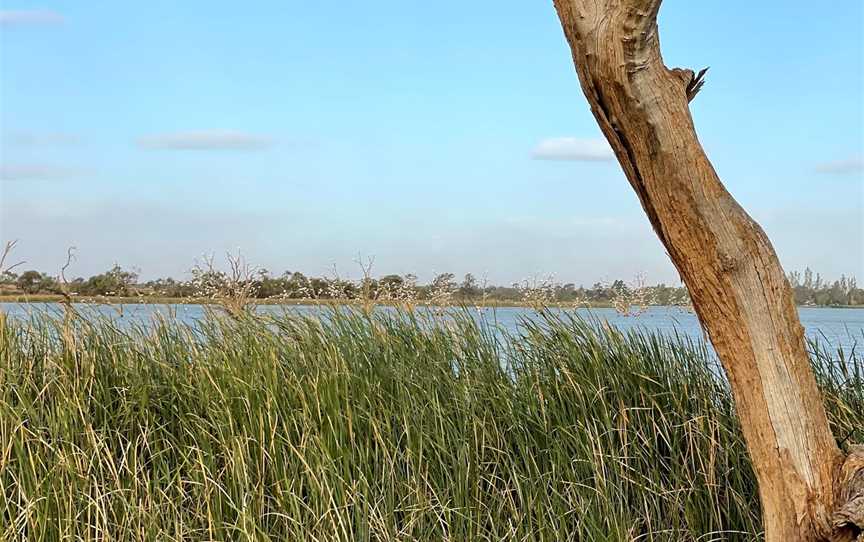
{"x": 375, "y": 425}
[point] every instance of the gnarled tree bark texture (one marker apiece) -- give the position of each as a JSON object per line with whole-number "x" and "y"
{"x": 808, "y": 488}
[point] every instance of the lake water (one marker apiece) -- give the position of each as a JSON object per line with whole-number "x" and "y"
{"x": 837, "y": 327}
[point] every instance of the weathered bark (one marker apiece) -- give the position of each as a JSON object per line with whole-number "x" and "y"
{"x": 736, "y": 282}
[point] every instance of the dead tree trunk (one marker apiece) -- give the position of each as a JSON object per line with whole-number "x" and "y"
{"x": 809, "y": 489}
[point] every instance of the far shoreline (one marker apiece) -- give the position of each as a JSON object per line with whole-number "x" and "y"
{"x": 155, "y": 300}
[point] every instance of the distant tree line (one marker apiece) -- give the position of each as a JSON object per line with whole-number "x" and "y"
{"x": 813, "y": 290}
{"x": 809, "y": 289}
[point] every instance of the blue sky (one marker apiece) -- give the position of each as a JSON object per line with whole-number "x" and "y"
{"x": 433, "y": 136}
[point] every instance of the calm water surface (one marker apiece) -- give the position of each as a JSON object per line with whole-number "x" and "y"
{"x": 838, "y": 327}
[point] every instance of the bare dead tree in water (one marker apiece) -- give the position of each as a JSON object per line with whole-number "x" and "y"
{"x": 6, "y": 268}
{"x": 233, "y": 290}
{"x": 4, "y": 255}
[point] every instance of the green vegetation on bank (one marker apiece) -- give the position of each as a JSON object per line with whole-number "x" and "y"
{"x": 258, "y": 285}
{"x": 367, "y": 426}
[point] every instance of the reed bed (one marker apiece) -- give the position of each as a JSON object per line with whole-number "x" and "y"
{"x": 376, "y": 426}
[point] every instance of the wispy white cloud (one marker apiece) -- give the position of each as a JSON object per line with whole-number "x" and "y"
{"x": 847, "y": 166}
{"x": 37, "y": 139}
{"x": 37, "y": 172}
{"x": 573, "y": 149}
{"x": 23, "y": 17}
{"x": 206, "y": 140}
